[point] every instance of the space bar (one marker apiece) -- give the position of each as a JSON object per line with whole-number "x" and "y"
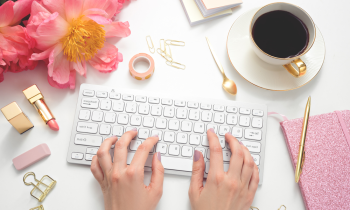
{"x": 171, "y": 163}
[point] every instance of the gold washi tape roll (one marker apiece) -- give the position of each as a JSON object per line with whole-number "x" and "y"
{"x": 141, "y": 57}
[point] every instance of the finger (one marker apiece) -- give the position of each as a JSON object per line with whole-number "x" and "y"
{"x": 236, "y": 160}
{"x": 103, "y": 155}
{"x": 248, "y": 167}
{"x": 157, "y": 179}
{"x": 216, "y": 158}
{"x": 198, "y": 167}
{"x": 143, "y": 150}
{"x": 121, "y": 149}
{"x": 254, "y": 181}
{"x": 96, "y": 170}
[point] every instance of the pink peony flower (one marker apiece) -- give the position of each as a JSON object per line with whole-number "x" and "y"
{"x": 71, "y": 33}
{"x": 15, "y": 44}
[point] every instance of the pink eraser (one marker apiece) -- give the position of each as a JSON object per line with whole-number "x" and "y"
{"x": 31, "y": 156}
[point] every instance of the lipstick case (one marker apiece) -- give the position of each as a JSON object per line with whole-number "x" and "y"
{"x": 17, "y": 118}
{"x": 35, "y": 97}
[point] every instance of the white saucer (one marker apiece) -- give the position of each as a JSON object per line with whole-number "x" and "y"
{"x": 262, "y": 74}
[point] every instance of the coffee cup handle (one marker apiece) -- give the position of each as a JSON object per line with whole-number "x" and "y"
{"x": 296, "y": 72}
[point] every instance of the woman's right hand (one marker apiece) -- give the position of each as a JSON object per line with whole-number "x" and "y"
{"x": 231, "y": 190}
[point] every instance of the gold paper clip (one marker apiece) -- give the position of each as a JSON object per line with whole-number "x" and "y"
{"x": 42, "y": 188}
{"x": 160, "y": 44}
{"x": 164, "y": 55}
{"x": 175, "y": 42}
{"x": 282, "y": 206}
{"x": 150, "y": 44}
{"x": 176, "y": 65}
{"x": 168, "y": 50}
{"x": 41, "y": 207}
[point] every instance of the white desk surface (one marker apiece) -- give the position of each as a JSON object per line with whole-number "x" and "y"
{"x": 76, "y": 187}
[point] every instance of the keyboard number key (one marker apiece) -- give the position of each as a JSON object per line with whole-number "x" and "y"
{"x": 114, "y": 95}
{"x": 192, "y": 104}
{"x": 167, "y": 102}
{"x": 180, "y": 103}
{"x": 142, "y": 99}
{"x": 206, "y": 106}
{"x": 231, "y": 109}
{"x": 244, "y": 111}
{"x": 219, "y": 108}
{"x": 101, "y": 94}
{"x": 128, "y": 97}
{"x": 153, "y": 100}
{"x": 257, "y": 112}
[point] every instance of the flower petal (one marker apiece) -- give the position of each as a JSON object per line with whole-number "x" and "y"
{"x": 107, "y": 59}
{"x": 111, "y": 8}
{"x": 45, "y": 54}
{"x": 70, "y": 84}
{"x": 9, "y": 53}
{"x": 117, "y": 29}
{"x": 90, "y": 4}
{"x": 59, "y": 68}
{"x": 6, "y": 13}
{"x": 73, "y": 8}
{"x": 35, "y": 9}
{"x": 56, "y": 6}
{"x": 100, "y": 19}
{"x": 95, "y": 11}
{"x": 80, "y": 67}
{"x": 21, "y": 9}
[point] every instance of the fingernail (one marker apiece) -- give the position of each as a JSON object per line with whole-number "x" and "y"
{"x": 240, "y": 142}
{"x": 229, "y": 133}
{"x": 155, "y": 135}
{"x": 211, "y": 130}
{"x": 134, "y": 129}
{"x": 159, "y": 157}
{"x": 196, "y": 155}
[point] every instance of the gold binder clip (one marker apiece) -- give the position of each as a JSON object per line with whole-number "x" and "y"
{"x": 280, "y": 208}
{"x": 41, "y": 207}
{"x": 42, "y": 188}
{"x": 176, "y": 65}
{"x": 174, "y": 42}
{"x": 164, "y": 55}
{"x": 150, "y": 44}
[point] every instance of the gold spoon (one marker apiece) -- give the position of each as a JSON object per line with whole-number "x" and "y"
{"x": 228, "y": 85}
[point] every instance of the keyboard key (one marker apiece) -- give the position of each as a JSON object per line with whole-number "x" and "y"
{"x": 135, "y": 120}
{"x": 157, "y": 132}
{"x": 77, "y": 156}
{"x": 169, "y": 111}
{"x": 134, "y": 145}
{"x": 173, "y": 150}
{"x": 105, "y": 129}
{"x": 219, "y": 117}
{"x": 181, "y": 113}
{"x": 97, "y": 116}
{"x": 169, "y": 136}
{"x": 142, "y": 99}
{"x": 161, "y": 147}
{"x": 143, "y": 133}
{"x": 187, "y": 151}
{"x": 143, "y": 109}
{"x": 89, "y": 157}
{"x": 237, "y": 132}
{"x": 156, "y": 110}
{"x": 91, "y": 103}
{"x": 106, "y": 105}
{"x": 252, "y": 146}
{"x": 174, "y": 125}
{"x": 84, "y": 115}
{"x": 198, "y": 127}
{"x": 256, "y": 159}
{"x": 257, "y": 122}
{"x": 161, "y": 123}
{"x": 88, "y": 140}
{"x": 219, "y": 108}
{"x": 123, "y": 119}
{"x": 206, "y": 116}
{"x": 231, "y": 119}
{"x": 192, "y": 104}
{"x": 206, "y": 106}
{"x": 118, "y": 130}
{"x": 194, "y": 114}
{"x": 110, "y": 117}
{"x": 166, "y": 101}
{"x": 252, "y": 134}
{"x": 88, "y": 93}
{"x": 257, "y": 112}
{"x": 244, "y": 121}
{"x": 201, "y": 149}
{"x": 153, "y": 100}
{"x": 148, "y": 122}
{"x": 131, "y": 107}
{"x": 118, "y": 106}
{"x": 186, "y": 126}
{"x": 181, "y": 138}
{"x": 208, "y": 154}
{"x": 195, "y": 139}
{"x": 180, "y": 103}
{"x": 222, "y": 142}
{"x": 114, "y": 95}
{"x": 231, "y": 109}
{"x": 223, "y": 129}
{"x": 101, "y": 94}
{"x": 87, "y": 127}
{"x": 205, "y": 141}
{"x": 128, "y": 97}
{"x": 207, "y": 165}
{"x": 92, "y": 150}
{"x": 244, "y": 111}
{"x": 226, "y": 155}
{"x": 215, "y": 127}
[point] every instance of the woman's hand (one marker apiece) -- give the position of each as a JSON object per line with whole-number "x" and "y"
{"x": 122, "y": 185}
{"x": 231, "y": 190}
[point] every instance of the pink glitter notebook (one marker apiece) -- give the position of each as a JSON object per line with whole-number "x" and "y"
{"x": 325, "y": 178}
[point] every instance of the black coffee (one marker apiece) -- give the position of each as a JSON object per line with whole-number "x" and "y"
{"x": 280, "y": 34}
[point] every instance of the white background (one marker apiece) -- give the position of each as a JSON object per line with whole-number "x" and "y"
{"x": 76, "y": 187}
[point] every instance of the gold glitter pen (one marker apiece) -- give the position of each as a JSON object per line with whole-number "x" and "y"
{"x": 301, "y": 156}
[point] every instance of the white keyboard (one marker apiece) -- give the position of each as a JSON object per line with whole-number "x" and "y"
{"x": 181, "y": 125}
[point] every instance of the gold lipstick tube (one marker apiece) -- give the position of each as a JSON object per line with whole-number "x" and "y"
{"x": 17, "y": 118}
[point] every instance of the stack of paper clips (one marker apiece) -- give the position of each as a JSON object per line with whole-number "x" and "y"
{"x": 165, "y": 51}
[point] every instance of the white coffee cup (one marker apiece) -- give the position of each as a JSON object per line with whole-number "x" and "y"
{"x": 285, "y": 62}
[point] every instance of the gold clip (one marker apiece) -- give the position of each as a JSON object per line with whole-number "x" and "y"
{"x": 174, "y": 42}
{"x": 167, "y": 49}
{"x": 282, "y": 206}
{"x": 176, "y": 65}
{"x": 149, "y": 42}
{"x": 160, "y": 44}
{"x": 252, "y": 208}
{"x": 164, "y": 55}
{"x": 41, "y": 207}
{"x": 41, "y": 189}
